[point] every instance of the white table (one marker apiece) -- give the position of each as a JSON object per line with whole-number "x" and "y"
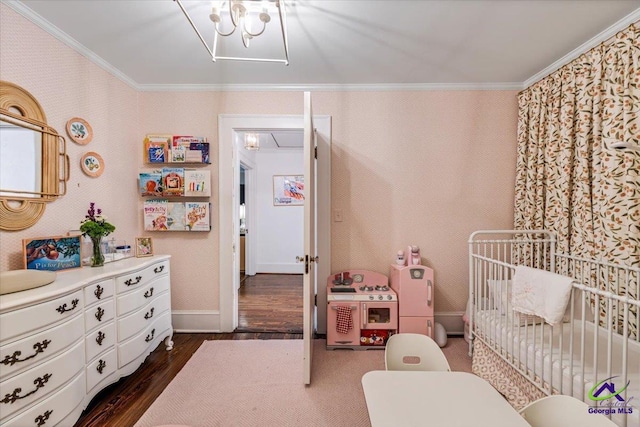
{"x": 447, "y": 399}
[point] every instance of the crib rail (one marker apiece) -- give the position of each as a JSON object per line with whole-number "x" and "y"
{"x": 599, "y": 337}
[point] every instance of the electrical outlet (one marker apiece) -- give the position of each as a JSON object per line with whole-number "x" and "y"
{"x": 337, "y": 215}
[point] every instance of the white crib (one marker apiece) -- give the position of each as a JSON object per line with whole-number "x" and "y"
{"x": 592, "y": 355}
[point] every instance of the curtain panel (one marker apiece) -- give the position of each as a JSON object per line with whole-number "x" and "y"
{"x": 568, "y": 179}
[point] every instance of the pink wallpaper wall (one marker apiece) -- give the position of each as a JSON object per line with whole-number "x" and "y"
{"x": 424, "y": 168}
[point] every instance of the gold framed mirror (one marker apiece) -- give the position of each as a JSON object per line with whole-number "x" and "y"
{"x": 34, "y": 166}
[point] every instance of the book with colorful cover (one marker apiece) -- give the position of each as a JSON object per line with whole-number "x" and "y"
{"x": 197, "y": 183}
{"x": 176, "y": 216}
{"x": 197, "y": 216}
{"x": 178, "y": 154}
{"x": 150, "y": 183}
{"x": 172, "y": 181}
{"x": 203, "y": 147}
{"x": 156, "y": 142}
{"x": 155, "y": 214}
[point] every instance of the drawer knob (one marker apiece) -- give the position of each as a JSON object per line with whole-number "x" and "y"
{"x": 99, "y": 314}
{"x": 151, "y": 335}
{"x": 101, "y": 336}
{"x": 149, "y": 293}
{"x": 41, "y": 420}
{"x": 13, "y": 396}
{"x": 99, "y": 291}
{"x": 131, "y": 282}
{"x": 149, "y": 314}
{"x": 101, "y": 366}
{"x": 63, "y": 308}
{"x": 39, "y": 347}
{"x": 158, "y": 269}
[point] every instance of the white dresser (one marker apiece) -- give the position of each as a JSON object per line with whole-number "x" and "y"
{"x": 62, "y": 343}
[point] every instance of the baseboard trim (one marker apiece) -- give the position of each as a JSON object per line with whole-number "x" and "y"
{"x": 208, "y": 321}
{"x": 451, "y": 321}
{"x": 196, "y": 321}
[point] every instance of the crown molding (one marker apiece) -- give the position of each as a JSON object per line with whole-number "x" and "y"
{"x": 65, "y": 38}
{"x": 585, "y": 47}
{"x": 375, "y": 87}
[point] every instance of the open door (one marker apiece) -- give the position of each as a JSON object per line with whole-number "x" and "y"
{"x": 309, "y": 258}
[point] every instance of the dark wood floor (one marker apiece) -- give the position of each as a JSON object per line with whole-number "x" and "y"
{"x": 270, "y": 303}
{"x": 267, "y": 303}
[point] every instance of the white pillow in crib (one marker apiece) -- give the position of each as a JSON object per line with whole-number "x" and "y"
{"x": 500, "y": 297}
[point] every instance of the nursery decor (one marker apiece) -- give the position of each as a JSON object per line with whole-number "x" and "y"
{"x": 79, "y": 131}
{"x": 51, "y": 253}
{"x": 96, "y": 227}
{"x": 288, "y": 190}
{"x": 92, "y": 164}
{"x": 144, "y": 246}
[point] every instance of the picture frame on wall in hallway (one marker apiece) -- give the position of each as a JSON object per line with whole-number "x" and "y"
{"x": 288, "y": 190}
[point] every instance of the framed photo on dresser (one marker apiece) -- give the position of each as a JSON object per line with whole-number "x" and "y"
{"x": 144, "y": 246}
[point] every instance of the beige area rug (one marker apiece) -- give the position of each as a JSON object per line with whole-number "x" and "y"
{"x": 259, "y": 383}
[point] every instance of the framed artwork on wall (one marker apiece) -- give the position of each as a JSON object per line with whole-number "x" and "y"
{"x": 52, "y": 253}
{"x": 79, "y": 131}
{"x": 92, "y": 164}
{"x": 288, "y": 190}
{"x": 144, "y": 246}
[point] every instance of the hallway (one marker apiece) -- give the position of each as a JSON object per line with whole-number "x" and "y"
{"x": 270, "y": 303}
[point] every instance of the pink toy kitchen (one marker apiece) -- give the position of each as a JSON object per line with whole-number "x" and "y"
{"x": 364, "y": 308}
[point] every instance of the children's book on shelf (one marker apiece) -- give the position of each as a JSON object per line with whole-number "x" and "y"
{"x": 197, "y": 216}
{"x": 150, "y": 184}
{"x": 155, "y": 214}
{"x": 203, "y": 147}
{"x": 197, "y": 183}
{"x": 172, "y": 181}
{"x": 156, "y": 148}
{"x": 176, "y": 216}
{"x": 178, "y": 154}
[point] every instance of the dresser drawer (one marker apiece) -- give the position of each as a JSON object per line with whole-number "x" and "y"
{"x": 54, "y": 409}
{"x": 99, "y": 314}
{"x": 38, "y": 382}
{"x": 141, "y": 343}
{"x": 21, "y": 354}
{"x": 134, "y": 300}
{"x": 100, "y": 340}
{"x": 134, "y": 323}
{"x": 18, "y": 322}
{"x": 140, "y": 278}
{"x": 101, "y": 368}
{"x": 100, "y": 291}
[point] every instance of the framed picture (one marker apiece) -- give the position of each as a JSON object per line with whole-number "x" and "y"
{"x": 144, "y": 246}
{"x": 288, "y": 190}
{"x": 52, "y": 253}
{"x": 92, "y": 164}
{"x": 79, "y": 131}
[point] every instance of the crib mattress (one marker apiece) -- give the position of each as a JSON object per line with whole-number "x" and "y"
{"x": 523, "y": 347}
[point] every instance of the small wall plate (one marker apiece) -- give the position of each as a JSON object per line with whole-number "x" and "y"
{"x": 92, "y": 164}
{"x": 79, "y": 131}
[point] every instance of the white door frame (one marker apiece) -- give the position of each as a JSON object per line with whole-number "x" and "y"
{"x": 228, "y": 221}
{"x": 251, "y": 213}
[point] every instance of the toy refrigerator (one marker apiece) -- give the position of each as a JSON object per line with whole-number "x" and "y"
{"x": 414, "y": 286}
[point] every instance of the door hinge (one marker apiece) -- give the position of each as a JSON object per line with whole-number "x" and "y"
{"x": 315, "y": 152}
{"x": 315, "y": 300}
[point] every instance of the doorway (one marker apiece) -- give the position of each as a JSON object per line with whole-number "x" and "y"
{"x": 228, "y": 221}
{"x": 269, "y": 291}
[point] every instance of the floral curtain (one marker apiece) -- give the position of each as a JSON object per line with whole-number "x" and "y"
{"x": 568, "y": 178}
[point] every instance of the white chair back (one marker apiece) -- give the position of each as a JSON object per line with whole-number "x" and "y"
{"x": 562, "y": 411}
{"x": 414, "y": 352}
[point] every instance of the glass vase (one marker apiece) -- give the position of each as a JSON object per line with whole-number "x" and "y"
{"x": 97, "y": 257}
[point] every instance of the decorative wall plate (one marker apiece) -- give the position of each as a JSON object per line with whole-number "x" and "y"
{"x": 79, "y": 131}
{"x": 92, "y": 164}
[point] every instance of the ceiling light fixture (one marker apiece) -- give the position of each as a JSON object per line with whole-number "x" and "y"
{"x": 240, "y": 14}
{"x": 251, "y": 141}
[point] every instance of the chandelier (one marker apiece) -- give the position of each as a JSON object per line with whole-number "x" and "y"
{"x": 248, "y": 18}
